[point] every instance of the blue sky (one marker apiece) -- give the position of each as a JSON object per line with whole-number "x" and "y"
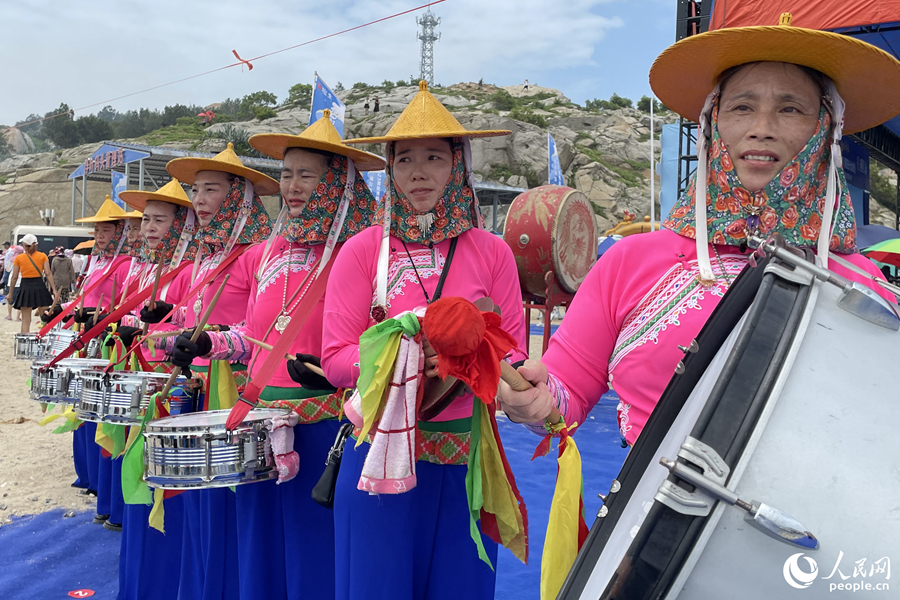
{"x": 85, "y": 52}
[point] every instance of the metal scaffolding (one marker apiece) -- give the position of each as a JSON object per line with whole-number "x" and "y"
{"x": 426, "y": 64}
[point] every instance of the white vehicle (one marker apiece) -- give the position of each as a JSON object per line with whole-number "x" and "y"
{"x": 50, "y": 237}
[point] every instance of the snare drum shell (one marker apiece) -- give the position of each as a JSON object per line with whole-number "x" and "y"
{"x": 195, "y": 450}
{"x": 551, "y": 229}
{"x": 109, "y": 397}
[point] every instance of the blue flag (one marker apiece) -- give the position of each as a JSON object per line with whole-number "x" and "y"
{"x": 556, "y": 174}
{"x": 119, "y": 184}
{"x": 324, "y": 98}
{"x": 375, "y": 181}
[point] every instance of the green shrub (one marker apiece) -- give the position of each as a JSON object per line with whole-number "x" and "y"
{"x": 3, "y": 179}
{"x": 503, "y": 100}
{"x": 261, "y": 113}
{"x": 526, "y": 115}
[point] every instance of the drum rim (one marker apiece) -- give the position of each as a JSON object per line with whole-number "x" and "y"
{"x": 156, "y": 424}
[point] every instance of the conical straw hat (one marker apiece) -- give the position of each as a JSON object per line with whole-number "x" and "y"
{"x": 321, "y": 135}
{"x": 867, "y": 78}
{"x": 108, "y": 212}
{"x": 426, "y": 117}
{"x": 172, "y": 193}
{"x": 135, "y": 214}
{"x": 226, "y": 161}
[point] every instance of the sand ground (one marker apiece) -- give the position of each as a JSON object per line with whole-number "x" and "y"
{"x": 36, "y": 468}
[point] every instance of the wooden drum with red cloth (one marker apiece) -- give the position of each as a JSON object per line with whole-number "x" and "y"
{"x": 552, "y": 229}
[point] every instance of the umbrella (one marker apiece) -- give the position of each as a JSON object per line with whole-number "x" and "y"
{"x": 887, "y": 252}
{"x": 84, "y": 247}
{"x": 869, "y": 235}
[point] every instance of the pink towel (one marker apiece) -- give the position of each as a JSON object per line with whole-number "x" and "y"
{"x": 281, "y": 440}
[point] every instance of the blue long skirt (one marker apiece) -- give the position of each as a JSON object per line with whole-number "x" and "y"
{"x": 80, "y": 458}
{"x": 90, "y": 453}
{"x": 109, "y": 488}
{"x": 285, "y": 539}
{"x": 411, "y": 546}
{"x": 209, "y": 569}
{"x": 150, "y": 561}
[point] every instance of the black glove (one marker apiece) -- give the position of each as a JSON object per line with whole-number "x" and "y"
{"x": 301, "y": 374}
{"x": 157, "y": 314}
{"x": 186, "y": 351}
{"x": 86, "y": 314}
{"x": 125, "y": 333}
{"x": 50, "y": 314}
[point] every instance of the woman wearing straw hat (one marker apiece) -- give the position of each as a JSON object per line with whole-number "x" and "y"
{"x": 772, "y": 103}
{"x": 286, "y": 540}
{"x": 423, "y": 543}
{"x": 168, "y": 226}
{"x": 232, "y": 220}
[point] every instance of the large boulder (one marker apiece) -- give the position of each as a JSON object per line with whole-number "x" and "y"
{"x": 18, "y": 141}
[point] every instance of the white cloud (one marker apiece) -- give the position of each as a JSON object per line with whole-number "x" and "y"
{"x": 87, "y": 52}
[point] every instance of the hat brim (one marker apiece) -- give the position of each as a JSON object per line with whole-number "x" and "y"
{"x": 186, "y": 169}
{"x": 437, "y": 134}
{"x": 867, "y": 78}
{"x": 276, "y": 144}
{"x": 96, "y": 219}
{"x": 138, "y": 199}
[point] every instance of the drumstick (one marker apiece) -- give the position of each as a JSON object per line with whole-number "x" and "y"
{"x": 163, "y": 334}
{"x": 112, "y": 298}
{"x": 197, "y": 329}
{"x": 268, "y": 347}
{"x": 518, "y": 383}
{"x": 152, "y": 304}
{"x": 97, "y": 310}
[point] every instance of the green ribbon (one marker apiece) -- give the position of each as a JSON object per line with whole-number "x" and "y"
{"x": 378, "y": 347}
{"x": 474, "y": 492}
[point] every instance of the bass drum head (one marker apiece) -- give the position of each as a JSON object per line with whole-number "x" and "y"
{"x": 573, "y": 241}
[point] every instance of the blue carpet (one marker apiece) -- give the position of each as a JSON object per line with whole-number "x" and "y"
{"x": 539, "y": 330}
{"x": 47, "y": 556}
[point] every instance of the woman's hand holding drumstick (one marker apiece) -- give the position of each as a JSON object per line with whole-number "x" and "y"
{"x": 268, "y": 347}
{"x": 524, "y": 395}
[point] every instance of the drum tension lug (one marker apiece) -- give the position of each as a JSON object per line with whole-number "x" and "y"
{"x": 679, "y": 368}
{"x": 692, "y": 348}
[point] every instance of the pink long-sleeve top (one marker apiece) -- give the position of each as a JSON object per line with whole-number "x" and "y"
{"x": 98, "y": 268}
{"x": 637, "y": 305}
{"x": 231, "y": 309}
{"x": 268, "y": 295}
{"x": 483, "y": 265}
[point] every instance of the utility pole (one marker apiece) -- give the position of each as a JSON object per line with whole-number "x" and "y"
{"x": 426, "y": 65}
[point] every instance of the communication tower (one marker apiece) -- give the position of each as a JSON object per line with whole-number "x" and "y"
{"x": 426, "y": 65}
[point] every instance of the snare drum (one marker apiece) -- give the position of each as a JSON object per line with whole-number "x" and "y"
{"x": 122, "y": 397}
{"x": 59, "y": 384}
{"x": 28, "y": 346}
{"x": 196, "y": 451}
{"x": 59, "y": 340}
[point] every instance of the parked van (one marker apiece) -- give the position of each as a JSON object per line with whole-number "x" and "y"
{"x": 51, "y": 237}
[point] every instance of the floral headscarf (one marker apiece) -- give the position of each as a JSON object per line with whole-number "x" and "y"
{"x": 454, "y": 213}
{"x": 169, "y": 245}
{"x": 318, "y": 215}
{"x": 792, "y": 204}
{"x": 221, "y": 229}
{"x": 115, "y": 243}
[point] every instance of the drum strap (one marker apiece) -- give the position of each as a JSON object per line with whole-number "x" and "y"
{"x": 79, "y": 342}
{"x": 74, "y": 304}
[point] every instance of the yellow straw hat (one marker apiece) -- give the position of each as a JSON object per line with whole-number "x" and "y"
{"x": 321, "y": 135}
{"x": 226, "y": 161}
{"x": 426, "y": 117}
{"x": 108, "y": 212}
{"x": 135, "y": 214}
{"x": 867, "y": 78}
{"x": 172, "y": 193}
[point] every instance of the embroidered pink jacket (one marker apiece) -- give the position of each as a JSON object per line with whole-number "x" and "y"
{"x": 636, "y": 306}
{"x": 267, "y": 294}
{"x": 482, "y": 266}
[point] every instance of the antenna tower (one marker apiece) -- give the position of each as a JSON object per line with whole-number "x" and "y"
{"x": 426, "y": 64}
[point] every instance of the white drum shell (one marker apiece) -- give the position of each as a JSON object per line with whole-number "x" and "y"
{"x": 123, "y": 396}
{"x": 59, "y": 340}
{"x": 46, "y": 384}
{"x": 196, "y": 451}
{"x": 28, "y": 346}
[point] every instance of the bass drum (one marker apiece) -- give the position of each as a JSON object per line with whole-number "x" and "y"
{"x": 784, "y": 400}
{"x": 551, "y": 229}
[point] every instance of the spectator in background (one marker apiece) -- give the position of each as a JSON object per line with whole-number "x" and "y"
{"x": 31, "y": 266}
{"x": 8, "y": 259}
{"x": 526, "y": 85}
{"x": 63, "y": 274}
{"x": 366, "y": 107}
{"x": 77, "y": 261}
{"x": 377, "y": 106}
